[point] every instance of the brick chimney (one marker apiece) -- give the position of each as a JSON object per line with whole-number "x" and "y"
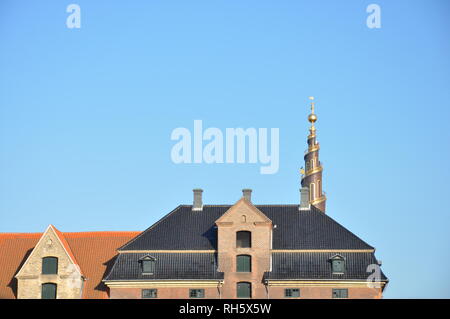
{"x": 304, "y": 199}
{"x": 247, "y": 194}
{"x": 198, "y": 204}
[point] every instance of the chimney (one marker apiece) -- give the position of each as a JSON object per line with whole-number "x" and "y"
{"x": 198, "y": 204}
{"x": 247, "y": 194}
{"x": 304, "y": 199}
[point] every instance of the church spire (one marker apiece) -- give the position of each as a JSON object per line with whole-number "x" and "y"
{"x": 312, "y": 175}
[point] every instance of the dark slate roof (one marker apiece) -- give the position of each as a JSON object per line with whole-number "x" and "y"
{"x": 184, "y": 229}
{"x": 200, "y": 266}
{"x": 316, "y": 265}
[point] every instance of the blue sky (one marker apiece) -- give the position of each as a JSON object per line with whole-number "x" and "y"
{"x": 86, "y": 116}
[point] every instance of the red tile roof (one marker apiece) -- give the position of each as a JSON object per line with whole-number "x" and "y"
{"x": 92, "y": 251}
{"x": 14, "y": 250}
{"x": 66, "y": 246}
{"x": 95, "y": 252}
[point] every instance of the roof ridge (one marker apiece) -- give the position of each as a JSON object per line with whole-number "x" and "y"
{"x": 101, "y": 233}
{"x": 277, "y": 205}
{"x": 9, "y": 235}
{"x": 228, "y": 205}
{"x": 207, "y": 205}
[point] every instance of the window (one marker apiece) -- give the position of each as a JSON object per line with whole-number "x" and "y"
{"x": 338, "y": 264}
{"x": 49, "y": 266}
{"x": 243, "y": 239}
{"x": 243, "y": 263}
{"x": 48, "y": 291}
{"x": 311, "y": 192}
{"x": 148, "y": 265}
{"x": 244, "y": 290}
{"x": 340, "y": 293}
{"x": 196, "y": 293}
{"x": 292, "y": 293}
{"x": 149, "y": 293}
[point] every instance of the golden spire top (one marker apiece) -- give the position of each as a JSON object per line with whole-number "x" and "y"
{"x": 312, "y": 117}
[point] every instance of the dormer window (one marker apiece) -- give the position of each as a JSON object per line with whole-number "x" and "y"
{"x": 337, "y": 264}
{"x": 148, "y": 265}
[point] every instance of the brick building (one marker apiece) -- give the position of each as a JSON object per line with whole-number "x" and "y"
{"x": 53, "y": 263}
{"x": 203, "y": 251}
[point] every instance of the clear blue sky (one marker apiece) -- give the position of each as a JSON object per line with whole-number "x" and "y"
{"x": 86, "y": 116}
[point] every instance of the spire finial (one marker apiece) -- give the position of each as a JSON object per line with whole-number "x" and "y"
{"x": 312, "y": 117}
{"x": 312, "y": 104}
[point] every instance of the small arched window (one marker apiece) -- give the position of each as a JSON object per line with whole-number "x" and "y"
{"x": 243, "y": 263}
{"x": 48, "y": 291}
{"x": 49, "y": 266}
{"x": 243, "y": 239}
{"x": 338, "y": 264}
{"x": 244, "y": 290}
